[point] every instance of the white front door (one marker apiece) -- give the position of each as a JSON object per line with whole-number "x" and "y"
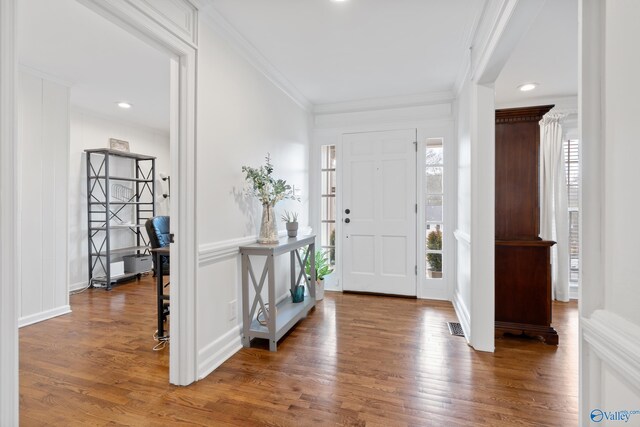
{"x": 379, "y": 212}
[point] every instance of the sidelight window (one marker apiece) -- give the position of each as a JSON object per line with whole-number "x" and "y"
{"x": 328, "y": 194}
{"x": 434, "y": 216}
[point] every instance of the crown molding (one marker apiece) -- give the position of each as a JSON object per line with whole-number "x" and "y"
{"x": 567, "y": 104}
{"x": 465, "y": 69}
{"x": 219, "y": 23}
{"x": 386, "y": 103}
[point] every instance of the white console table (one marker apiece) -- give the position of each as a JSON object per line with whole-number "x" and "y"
{"x": 288, "y": 313}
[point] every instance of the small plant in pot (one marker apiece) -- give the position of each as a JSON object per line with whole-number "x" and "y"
{"x": 291, "y": 221}
{"x": 323, "y": 268}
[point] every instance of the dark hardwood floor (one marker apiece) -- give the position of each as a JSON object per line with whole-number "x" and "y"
{"x": 356, "y": 360}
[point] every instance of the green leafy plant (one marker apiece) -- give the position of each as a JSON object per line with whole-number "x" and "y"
{"x": 323, "y": 267}
{"x": 434, "y": 242}
{"x": 290, "y": 216}
{"x": 266, "y": 188}
{"x": 332, "y": 243}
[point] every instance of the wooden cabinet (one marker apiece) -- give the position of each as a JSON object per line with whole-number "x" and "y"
{"x": 523, "y": 260}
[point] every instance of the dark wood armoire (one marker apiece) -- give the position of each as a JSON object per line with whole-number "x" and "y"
{"x": 522, "y": 259}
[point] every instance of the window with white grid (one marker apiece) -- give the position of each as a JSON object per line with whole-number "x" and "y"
{"x": 328, "y": 194}
{"x": 572, "y": 168}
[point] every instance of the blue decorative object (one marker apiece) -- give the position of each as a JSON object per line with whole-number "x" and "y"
{"x": 297, "y": 293}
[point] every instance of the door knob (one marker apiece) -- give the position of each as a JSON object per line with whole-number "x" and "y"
{"x": 347, "y": 211}
{"x": 347, "y": 220}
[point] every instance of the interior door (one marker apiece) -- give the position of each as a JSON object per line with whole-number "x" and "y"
{"x": 379, "y": 212}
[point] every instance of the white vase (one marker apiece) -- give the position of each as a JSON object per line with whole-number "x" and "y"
{"x": 319, "y": 290}
{"x": 268, "y": 228}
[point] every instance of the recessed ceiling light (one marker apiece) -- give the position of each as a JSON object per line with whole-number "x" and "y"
{"x": 527, "y": 87}
{"x": 124, "y": 105}
{"x": 338, "y": 1}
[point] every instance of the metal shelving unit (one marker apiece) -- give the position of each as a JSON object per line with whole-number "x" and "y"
{"x": 112, "y": 203}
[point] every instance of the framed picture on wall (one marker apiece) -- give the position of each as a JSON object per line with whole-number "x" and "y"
{"x": 119, "y": 145}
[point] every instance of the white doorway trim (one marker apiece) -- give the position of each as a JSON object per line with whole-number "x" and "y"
{"x": 437, "y": 289}
{"x": 9, "y": 391}
{"x": 147, "y": 21}
{"x": 503, "y": 25}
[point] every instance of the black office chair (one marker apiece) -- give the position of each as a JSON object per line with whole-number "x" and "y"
{"x": 159, "y": 237}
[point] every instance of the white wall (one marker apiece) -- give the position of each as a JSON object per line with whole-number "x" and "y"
{"x": 241, "y": 116}
{"x": 609, "y": 297}
{"x": 43, "y": 170}
{"x": 473, "y": 296}
{"x": 462, "y": 290}
{"x": 89, "y": 130}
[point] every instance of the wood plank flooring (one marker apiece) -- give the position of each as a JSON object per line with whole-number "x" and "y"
{"x": 355, "y": 360}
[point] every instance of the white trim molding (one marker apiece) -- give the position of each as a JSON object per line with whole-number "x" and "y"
{"x": 219, "y": 23}
{"x": 44, "y": 315}
{"x": 616, "y": 342}
{"x": 462, "y": 237}
{"x": 9, "y": 392}
{"x": 216, "y": 353}
{"x": 214, "y": 252}
{"x": 142, "y": 19}
{"x": 463, "y": 315}
{"x": 386, "y": 103}
{"x": 209, "y": 253}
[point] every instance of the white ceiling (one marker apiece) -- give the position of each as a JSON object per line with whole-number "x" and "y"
{"x": 359, "y": 49}
{"x": 330, "y": 52}
{"x": 103, "y": 63}
{"x": 548, "y": 55}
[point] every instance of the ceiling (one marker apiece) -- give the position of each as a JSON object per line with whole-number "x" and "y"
{"x": 359, "y": 49}
{"x": 331, "y": 52}
{"x": 103, "y": 63}
{"x": 548, "y": 55}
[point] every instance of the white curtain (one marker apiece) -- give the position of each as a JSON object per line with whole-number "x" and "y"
{"x": 554, "y": 214}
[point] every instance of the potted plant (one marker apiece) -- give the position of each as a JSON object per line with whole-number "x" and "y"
{"x": 323, "y": 268}
{"x": 269, "y": 191}
{"x": 291, "y": 221}
{"x": 434, "y": 242}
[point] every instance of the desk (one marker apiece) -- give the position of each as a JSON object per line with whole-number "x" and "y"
{"x": 161, "y": 297}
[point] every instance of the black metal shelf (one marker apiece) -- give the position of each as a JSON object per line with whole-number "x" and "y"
{"x": 122, "y": 250}
{"x": 120, "y": 203}
{"x": 102, "y": 209}
{"x": 120, "y": 178}
{"x": 116, "y": 227}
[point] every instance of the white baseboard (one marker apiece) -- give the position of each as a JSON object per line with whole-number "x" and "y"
{"x": 44, "y": 315}
{"x": 463, "y": 315}
{"x": 216, "y": 353}
{"x": 78, "y": 286}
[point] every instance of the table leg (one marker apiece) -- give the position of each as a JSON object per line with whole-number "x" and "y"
{"x": 160, "y": 293}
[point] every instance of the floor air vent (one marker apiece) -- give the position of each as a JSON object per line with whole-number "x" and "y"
{"x": 455, "y": 329}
